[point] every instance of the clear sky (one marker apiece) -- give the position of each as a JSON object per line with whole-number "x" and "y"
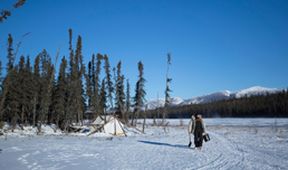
{"x": 215, "y": 45}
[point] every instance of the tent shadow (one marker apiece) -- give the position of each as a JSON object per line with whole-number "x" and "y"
{"x": 164, "y": 144}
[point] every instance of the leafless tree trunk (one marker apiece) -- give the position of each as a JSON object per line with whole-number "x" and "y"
{"x": 34, "y": 110}
{"x": 144, "y": 121}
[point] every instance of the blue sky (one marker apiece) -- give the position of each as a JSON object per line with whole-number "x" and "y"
{"x": 215, "y": 45}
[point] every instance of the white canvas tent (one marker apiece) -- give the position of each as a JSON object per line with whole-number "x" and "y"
{"x": 100, "y": 120}
{"x": 113, "y": 126}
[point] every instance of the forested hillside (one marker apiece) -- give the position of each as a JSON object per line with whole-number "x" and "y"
{"x": 269, "y": 105}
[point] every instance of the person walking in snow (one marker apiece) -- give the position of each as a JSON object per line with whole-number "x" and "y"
{"x": 191, "y": 128}
{"x": 199, "y": 131}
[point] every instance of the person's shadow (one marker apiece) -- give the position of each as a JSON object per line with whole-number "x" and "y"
{"x": 164, "y": 144}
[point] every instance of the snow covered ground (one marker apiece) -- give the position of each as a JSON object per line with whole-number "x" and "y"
{"x": 235, "y": 144}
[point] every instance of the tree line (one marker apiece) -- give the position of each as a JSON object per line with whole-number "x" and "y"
{"x": 35, "y": 95}
{"x": 269, "y": 105}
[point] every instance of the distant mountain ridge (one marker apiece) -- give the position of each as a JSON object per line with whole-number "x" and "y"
{"x": 224, "y": 95}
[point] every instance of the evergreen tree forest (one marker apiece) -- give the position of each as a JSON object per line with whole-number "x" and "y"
{"x": 37, "y": 94}
{"x": 269, "y": 105}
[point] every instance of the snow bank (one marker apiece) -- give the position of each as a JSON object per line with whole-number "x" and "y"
{"x": 51, "y": 130}
{"x": 30, "y": 130}
{"x": 267, "y": 148}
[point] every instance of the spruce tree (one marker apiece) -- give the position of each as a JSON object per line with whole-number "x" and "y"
{"x": 97, "y": 84}
{"x": 88, "y": 78}
{"x": 46, "y": 87}
{"x": 95, "y": 97}
{"x": 140, "y": 93}
{"x": 80, "y": 70}
{"x": 12, "y": 103}
{"x": 109, "y": 83}
{"x": 128, "y": 103}
{"x": 60, "y": 96}
{"x": 167, "y": 89}
{"x": 10, "y": 55}
{"x": 28, "y": 64}
{"x": 90, "y": 84}
{"x": 23, "y": 89}
{"x": 76, "y": 102}
{"x": 7, "y": 82}
{"x": 71, "y": 85}
{"x": 71, "y": 51}
{"x": 36, "y": 89}
{"x": 120, "y": 95}
{"x": 103, "y": 98}
{"x": 93, "y": 76}
{"x": 29, "y": 91}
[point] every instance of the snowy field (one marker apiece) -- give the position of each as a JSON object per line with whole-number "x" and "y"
{"x": 235, "y": 144}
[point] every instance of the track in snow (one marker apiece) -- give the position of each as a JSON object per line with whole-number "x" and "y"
{"x": 230, "y": 147}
